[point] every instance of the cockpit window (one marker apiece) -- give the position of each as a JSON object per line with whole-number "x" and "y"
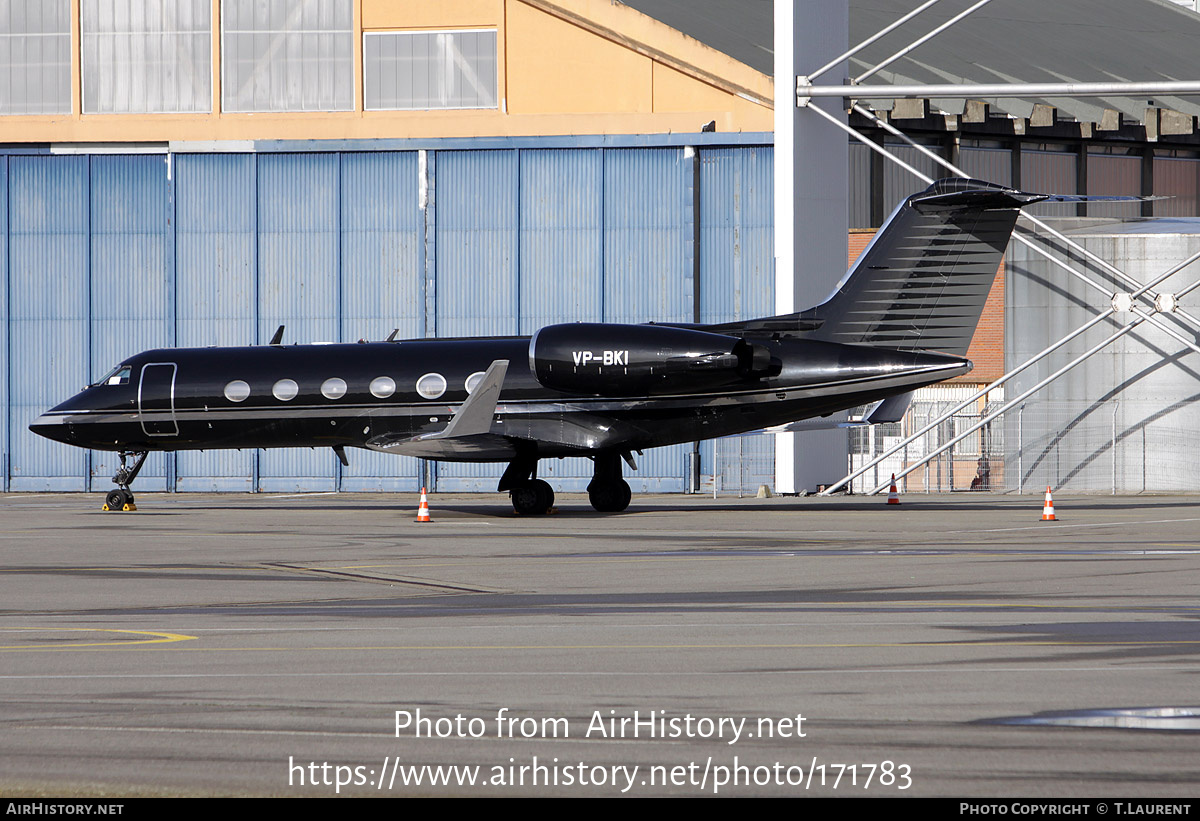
{"x": 117, "y": 376}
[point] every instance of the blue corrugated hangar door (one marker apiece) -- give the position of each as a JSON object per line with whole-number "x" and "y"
{"x": 562, "y": 258}
{"x": 532, "y": 237}
{"x": 737, "y": 281}
{"x": 48, "y": 312}
{"x": 131, "y": 308}
{"x": 87, "y": 287}
{"x": 109, "y": 255}
{"x": 477, "y": 290}
{"x": 298, "y": 287}
{"x": 648, "y": 271}
{"x": 382, "y": 230}
{"x": 5, "y": 362}
{"x": 215, "y": 263}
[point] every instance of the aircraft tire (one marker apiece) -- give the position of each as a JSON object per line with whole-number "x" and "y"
{"x": 547, "y": 494}
{"x": 626, "y": 495}
{"x": 610, "y": 497}
{"x": 117, "y": 499}
{"x": 532, "y": 498}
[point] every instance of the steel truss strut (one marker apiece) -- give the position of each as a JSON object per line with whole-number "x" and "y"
{"x": 883, "y": 31}
{"x": 805, "y": 90}
{"x": 981, "y": 91}
{"x": 922, "y": 39}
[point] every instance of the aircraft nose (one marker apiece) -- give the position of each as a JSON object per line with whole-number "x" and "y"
{"x": 57, "y": 423}
{"x": 52, "y": 426}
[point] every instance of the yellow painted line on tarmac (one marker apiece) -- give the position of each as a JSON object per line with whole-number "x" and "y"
{"x": 158, "y": 638}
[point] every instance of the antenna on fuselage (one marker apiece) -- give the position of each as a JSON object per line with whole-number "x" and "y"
{"x": 277, "y": 340}
{"x": 392, "y": 336}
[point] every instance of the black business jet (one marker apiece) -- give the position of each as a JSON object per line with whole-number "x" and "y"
{"x": 900, "y": 319}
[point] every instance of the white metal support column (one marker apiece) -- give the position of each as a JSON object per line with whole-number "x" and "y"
{"x": 811, "y": 207}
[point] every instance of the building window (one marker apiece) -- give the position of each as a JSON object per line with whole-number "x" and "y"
{"x": 35, "y": 57}
{"x": 418, "y": 70}
{"x": 287, "y": 55}
{"x": 146, "y": 56}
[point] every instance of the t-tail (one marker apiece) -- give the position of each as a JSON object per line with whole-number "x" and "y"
{"x": 923, "y": 280}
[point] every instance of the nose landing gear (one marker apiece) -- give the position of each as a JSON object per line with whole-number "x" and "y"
{"x": 122, "y": 497}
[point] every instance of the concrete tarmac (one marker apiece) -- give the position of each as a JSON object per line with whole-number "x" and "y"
{"x": 313, "y": 645}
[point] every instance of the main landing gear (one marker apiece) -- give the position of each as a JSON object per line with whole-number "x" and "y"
{"x": 533, "y": 497}
{"x": 122, "y": 497}
{"x": 607, "y": 491}
{"x": 530, "y": 496}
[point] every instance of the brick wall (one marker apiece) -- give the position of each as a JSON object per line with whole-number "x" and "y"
{"x": 987, "y": 346}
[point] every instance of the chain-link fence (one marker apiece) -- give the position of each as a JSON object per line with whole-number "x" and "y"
{"x": 975, "y": 463}
{"x": 743, "y": 464}
{"x": 1117, "y": 445}
{"x": 1113, "y": 446}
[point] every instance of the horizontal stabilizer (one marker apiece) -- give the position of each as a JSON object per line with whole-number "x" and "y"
{"x": 1103, "y": 198}
{"x": 786, "y": 325}
{"x": 891, "y": 409}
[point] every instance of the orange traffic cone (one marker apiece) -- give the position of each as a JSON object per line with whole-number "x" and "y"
{"x": 893, "y": 493}
{"x": 1048, "y": 508}
{"x": 423, "y": 510}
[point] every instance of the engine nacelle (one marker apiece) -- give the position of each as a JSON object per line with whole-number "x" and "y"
{"x": 619, "y": 360}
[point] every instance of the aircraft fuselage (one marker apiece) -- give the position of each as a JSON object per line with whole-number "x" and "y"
{"x": 383, "y": 395}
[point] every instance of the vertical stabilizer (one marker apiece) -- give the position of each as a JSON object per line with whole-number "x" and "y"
{"x": 923, "y": 280}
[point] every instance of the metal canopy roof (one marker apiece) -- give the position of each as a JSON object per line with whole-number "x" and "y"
{"x": 1027, "y": 41}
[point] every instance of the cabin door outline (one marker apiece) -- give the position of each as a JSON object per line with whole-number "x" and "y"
{"x": 156, "y": 393}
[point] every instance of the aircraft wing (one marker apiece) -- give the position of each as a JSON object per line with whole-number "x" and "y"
{"x": 485, "y": 447}
{"x": 469, "y": 432}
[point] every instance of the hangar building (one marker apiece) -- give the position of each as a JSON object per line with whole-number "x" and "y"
{"x": 198, "y": 173}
